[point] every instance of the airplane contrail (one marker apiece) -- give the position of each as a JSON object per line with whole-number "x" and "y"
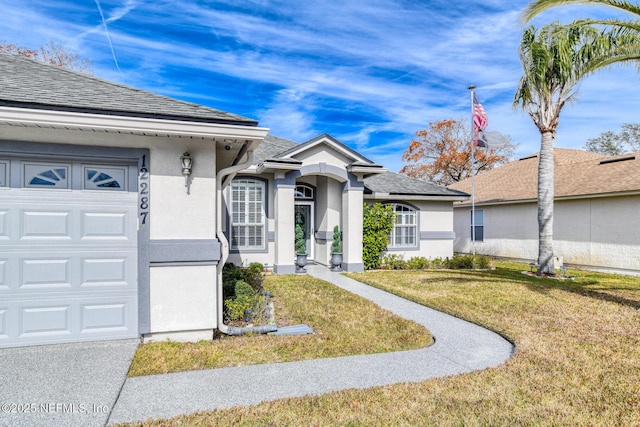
{"x": 106, "y": 30}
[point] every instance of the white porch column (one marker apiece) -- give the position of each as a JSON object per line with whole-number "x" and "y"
{"x": 352, "y": 200}
{"x": 284, "y": 228}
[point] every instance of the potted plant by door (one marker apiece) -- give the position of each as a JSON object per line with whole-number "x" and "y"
{"x": 336, "y": 250}
{"x": 301, "y": 250}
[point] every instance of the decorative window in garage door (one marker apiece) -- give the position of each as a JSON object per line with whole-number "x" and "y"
{"x": 46, "y": 175}
{"x": 101, "y": 178}
{"x": 4, "y": 173}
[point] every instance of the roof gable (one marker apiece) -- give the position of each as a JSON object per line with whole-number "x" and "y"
{"x": 331, "y": 144}
{"x": 32, "y": 84}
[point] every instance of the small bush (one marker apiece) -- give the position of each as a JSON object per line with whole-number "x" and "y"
{"x": 245, "y": 299}
{"x": 231, "y": 274}
{"x": 462, "y": 262}
{"x": 418, "y": 263}
{"x": 253, "y": 276}
{"x": 393, "y": 262}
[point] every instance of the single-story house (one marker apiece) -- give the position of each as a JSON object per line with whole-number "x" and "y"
{"x": 320, "y": 184}
{"x": 119, "y": 207}
{"x": 596, "y": 210}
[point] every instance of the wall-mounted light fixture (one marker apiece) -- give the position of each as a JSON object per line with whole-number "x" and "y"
{"x": 187, "y": 165}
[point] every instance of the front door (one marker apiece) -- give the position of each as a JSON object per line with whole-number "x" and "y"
{"x": 304, "y": 218}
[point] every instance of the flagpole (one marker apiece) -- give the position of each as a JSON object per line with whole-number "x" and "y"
{"x": 473, "y": 189}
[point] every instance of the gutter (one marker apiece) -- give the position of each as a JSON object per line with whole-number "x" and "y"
{"x": 227, "y": 175}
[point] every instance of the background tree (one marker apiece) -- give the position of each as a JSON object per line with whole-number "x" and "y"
{"x": 53, "y": 54}
{"x": 441, "y": 154}
{"x": 554, "y": 59}
{"x": 613, "y": 144}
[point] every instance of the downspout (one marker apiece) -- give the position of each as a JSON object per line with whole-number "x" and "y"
{"x": 227, "y": 175}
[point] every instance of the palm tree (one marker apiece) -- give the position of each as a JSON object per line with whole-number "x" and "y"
{"x": 617, "y": 27}
{"x": 538, "y": 6}
{"x": 554, "y": 59}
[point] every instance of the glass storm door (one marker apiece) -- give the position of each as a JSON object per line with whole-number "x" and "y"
{"x": 304, "y": 218}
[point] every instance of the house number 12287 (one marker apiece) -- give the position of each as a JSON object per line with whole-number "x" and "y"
{"x": 144, "y": 190}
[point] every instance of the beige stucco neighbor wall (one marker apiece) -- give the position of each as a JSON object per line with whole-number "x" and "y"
{"x": 598, "y": 232}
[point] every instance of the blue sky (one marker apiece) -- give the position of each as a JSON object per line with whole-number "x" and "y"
{"x": 369, "y": 72}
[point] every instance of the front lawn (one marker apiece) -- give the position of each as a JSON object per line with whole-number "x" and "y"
{"x": 344, "y": 324}
{"x": 577, "y": 360}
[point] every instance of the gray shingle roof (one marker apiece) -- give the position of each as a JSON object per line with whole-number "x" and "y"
{"x": 26, "y": 83}
{"x": 402, "y": 185}
{"x": 272, "y": 147}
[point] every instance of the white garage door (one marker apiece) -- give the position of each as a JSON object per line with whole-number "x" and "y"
{"x": 68, "y": 252}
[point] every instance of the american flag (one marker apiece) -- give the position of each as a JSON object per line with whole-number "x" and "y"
{"x": 480, "y": 119}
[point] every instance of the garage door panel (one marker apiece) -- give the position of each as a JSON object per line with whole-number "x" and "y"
{"x": 45, "y": 224}
{"x": 45, "y": 321}
{"x": 4, "y": 273}
{"x": 103, "y": 317}
{"x": 43, "y": 274}
{"x": 106, "y": 272}
{"x": 69, "y": 271}
{"x": 4, "y": 225}
{"x": 4, "y": 333}
{"x": 106, "y": 225}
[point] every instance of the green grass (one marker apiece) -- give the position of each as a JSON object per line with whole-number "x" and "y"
{"x": 344, "y": 324}
{"x": 577, "y": 360}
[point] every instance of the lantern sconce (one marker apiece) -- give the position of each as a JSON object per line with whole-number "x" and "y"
{"x": 187, "y": 165}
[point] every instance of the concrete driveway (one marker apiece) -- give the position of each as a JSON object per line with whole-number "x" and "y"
{"x": 64, "y": 384}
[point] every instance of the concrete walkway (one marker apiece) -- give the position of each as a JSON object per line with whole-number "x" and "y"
{"x": 460, "y": 347}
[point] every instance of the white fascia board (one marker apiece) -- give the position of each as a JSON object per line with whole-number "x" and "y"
{"x": 133, "y": 125}
{"x": 367, "y": 170}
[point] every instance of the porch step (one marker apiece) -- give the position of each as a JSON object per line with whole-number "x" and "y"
{"x": 293, "y": 330}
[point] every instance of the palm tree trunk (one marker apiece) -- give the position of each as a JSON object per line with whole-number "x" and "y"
{"x": 545, "y": 204}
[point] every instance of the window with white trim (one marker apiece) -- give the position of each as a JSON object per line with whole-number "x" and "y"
{"x": 247, "y": 214}
{"x": 405, "y": 230}
{"x": 479, "y": 225}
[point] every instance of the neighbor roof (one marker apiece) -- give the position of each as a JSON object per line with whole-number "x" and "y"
{"x": 390, "y": 183}
{"x": 578, "y": 173}
{"x": 27, "y": 83}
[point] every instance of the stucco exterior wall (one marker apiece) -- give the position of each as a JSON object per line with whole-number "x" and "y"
{"x": 320, "y": 154}
{"x": 435, "y": 231}
{"x": 598, "y": 232}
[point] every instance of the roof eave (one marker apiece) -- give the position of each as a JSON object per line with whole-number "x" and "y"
{"x": 418, "y": 197}
{"x": 126, "y": 124}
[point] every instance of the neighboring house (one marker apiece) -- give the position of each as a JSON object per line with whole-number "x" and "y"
{"x": 596, "y": 210}
{"x": 320, "y": 184}
{"x": 104, "y": 235}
